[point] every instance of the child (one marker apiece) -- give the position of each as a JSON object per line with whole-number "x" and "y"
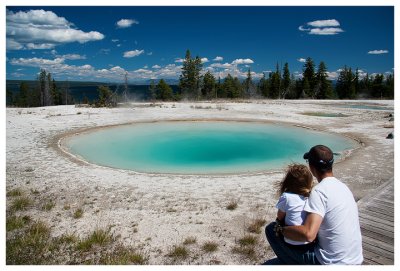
{"x": 294, "y": 190}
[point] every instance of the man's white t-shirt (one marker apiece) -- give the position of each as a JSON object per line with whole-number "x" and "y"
{"x": 292, "y": 205}
{"x": 339, "y": 236}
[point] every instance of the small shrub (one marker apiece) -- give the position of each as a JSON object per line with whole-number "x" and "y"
{"x": 179, "y": 252}
{"x": 48, "y": 206}
{"x": 247, "y": 252}
{"x": 16, "y": 222}
{"x": 189, "y": 241}
{"x": 98, "y": 237}
{"x": 21, "y": 203}
{"x": 248, "y": 240}
{"x": 210, "y": 247}
{"x": 123, "y": 256}
{"x": 232, "y": 205}
{"x": 78, "y": 213}
{"x": 14, "y": 193}
{"x": 255, "y": 226}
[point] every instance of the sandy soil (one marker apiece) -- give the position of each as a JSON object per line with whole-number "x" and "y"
{"x": 154, "y": 211}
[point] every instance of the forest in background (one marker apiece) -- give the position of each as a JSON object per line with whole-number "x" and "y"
{"x": 195, "y": 85}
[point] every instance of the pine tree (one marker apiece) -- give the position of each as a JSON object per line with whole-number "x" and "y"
{"x": 164, "y": 91}
{"x": 309, "y": 74}
{"x": 249, "y": 88}
{"x": 285, "y": 81}
{"x": 209, "y": 86}
{"x": 323, "y": 88}
{"x": 263, "y": 86}
{"x": 189, "y": 80}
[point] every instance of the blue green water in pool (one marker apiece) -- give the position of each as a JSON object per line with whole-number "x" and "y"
{"x": 190, "y": 147}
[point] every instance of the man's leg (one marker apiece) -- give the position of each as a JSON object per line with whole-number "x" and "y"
{"x": 286, "y": 254}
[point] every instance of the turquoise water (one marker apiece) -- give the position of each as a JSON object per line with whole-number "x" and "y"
{"x": 368, "y": 107}
{"x": 201, "y": 147}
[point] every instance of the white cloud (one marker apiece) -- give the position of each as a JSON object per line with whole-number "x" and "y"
{"x": 378, "y": 52}
{"x": 40, "y": 46}
{"x": 40, "y": 29}
{"x": 133, "y": 53}
{"x": 156, "y": 67}
{"x": 242, "y": 61}
{"x": 35, "y": 62}
{"x": 303, "y": 60}
{"x": 204, "y": 60}
{"x": 325, "y": 31}
{"x": 220, "y": 65}
{"x": 218, "y": 58}
{"x": 73, "y": 56}
{"x": 115, "y": 40}
{"x": 322, "y": 27}
{"x": 13, "y": 45}
{"x": 324, "y": 23}
{"x": 124, "y": 23}
{"x": 179, "y": 60}
{"x": 150, "y": 53}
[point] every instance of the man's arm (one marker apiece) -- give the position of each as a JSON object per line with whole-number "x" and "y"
{"x": 281, "y": 215}
{"x": 305, "y": 233}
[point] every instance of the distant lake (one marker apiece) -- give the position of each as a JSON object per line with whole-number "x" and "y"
{"x": 78, "y": 90}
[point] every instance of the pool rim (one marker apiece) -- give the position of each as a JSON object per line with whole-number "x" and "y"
{"x": 59, "y": 143}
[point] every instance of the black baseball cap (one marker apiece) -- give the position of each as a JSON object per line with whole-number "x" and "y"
{"x": 320, "y": 156}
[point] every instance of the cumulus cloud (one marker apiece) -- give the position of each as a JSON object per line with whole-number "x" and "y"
{"x": 156, "y": 67}
{"x": 133, "y": 53}
{"x": 302, "y": 60}
{"x": 220, "y": 65}
{"x": 242, "y": 61}
{"x": 325, "y": 31}
{"x": 125, "y": 23}
{"x": 378, "y": 52}
{"x": 179, "y": 60}
{"x": 40, "y": 29}
{"x": 218, "y": 58}
{"x": 73, "y": 56}
{"x": 204, "y": 60}
{"x": 324, "y": 23}
{"x": 322, "y": 27}
{"x": 35, "y": 62}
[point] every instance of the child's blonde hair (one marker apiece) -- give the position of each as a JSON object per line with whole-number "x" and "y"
{"x": 298, "y": 180}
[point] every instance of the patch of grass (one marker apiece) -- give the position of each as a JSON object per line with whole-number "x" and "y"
{"x": 48, "y": 205}
{"x": 123, "y": 256}
{"x": 232, "y": 205}
{"x": 210, "y": 247}
{"x": 30, "y": 247}
{"x": 178, "y": 252}
{"x": 14, "y": 193}
{"x": 78, "y": 213}
{"x": 255, "y": 226}
{"x": 248, "y": 240}
{"x": 248, "y": 252}
{"x": 68, "y": 239}
{"x": 190, "y": 240}
{"x": 21, "y": 203}
{"x": 16, "y": 222}
{"x": 99, "y": 237}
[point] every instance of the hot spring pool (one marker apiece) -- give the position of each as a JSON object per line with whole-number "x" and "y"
{"x": 200, "y": 147}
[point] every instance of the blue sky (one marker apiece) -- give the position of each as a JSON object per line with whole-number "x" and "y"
{"x": 103, "y": 43}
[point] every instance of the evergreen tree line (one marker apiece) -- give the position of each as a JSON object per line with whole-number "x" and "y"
{"x": 45, "y": 93}
{"x": 279, "y": 84}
